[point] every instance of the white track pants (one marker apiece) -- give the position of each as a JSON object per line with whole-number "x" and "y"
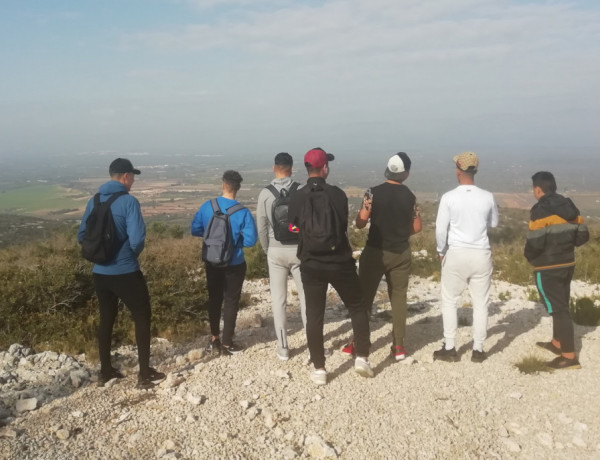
{"x": 464, "y": 267}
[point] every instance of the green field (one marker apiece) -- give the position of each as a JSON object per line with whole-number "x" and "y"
{"x": 39, "y": 197}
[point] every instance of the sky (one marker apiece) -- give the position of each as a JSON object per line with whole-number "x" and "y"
{"x": 254, "y": 76}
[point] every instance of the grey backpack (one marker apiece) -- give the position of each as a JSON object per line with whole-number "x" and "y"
{"x": 218, "y": 245}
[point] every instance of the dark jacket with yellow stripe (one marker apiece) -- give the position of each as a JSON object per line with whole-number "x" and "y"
{"x": 555, "y": 229}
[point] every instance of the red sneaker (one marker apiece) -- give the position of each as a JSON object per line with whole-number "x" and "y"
{"x": 398, "y": 352}
{"x": 348, "y": 349}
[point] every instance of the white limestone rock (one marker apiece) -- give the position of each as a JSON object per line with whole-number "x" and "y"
{"x": 26, "y": 405}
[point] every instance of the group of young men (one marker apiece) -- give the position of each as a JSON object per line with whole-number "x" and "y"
{"x": 303, "y": 231}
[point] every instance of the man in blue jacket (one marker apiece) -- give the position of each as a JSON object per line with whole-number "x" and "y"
{"x": 121, "y": 277}
{"x": 224, "y": 283}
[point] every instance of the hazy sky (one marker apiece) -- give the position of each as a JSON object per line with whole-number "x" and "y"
{"x": 255, "y": 76}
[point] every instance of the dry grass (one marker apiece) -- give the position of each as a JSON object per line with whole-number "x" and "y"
{"x": 532, "y": 365}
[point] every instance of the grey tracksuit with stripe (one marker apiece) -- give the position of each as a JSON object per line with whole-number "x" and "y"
{"x": 282, "y": 260}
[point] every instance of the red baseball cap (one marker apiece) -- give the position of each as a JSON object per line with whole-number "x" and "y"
{"x": 317, "y": 158}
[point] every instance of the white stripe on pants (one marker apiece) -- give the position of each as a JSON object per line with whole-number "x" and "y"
{"x": 464, "y": 267}
{"x": 283, "y": 262}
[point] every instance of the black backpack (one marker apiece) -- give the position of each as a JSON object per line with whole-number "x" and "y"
{"x": 99, "y": 243}
{"x": 322, "y": 232}
{"x": 218, "y": 245}
{"x": 279, "y": 214}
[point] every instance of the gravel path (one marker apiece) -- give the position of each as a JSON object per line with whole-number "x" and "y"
{"x": 254, "y": 406}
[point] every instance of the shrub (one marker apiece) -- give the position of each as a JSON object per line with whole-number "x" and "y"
{"x": 533, "y": 295}
{"x": 357, "y": 237}
{"x": 164, "y": 230}
{"x": 532, "y": 365}
{"x": 177, "y": 283}
{"x": 504, "y": 295}
{"x": 47, "y": 297}
{"x": 256, "y": 262}
{"x": 584, "y": 312}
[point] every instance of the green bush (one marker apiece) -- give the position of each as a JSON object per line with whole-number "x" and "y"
{"x": 256, "y": 262}
{"x": 533, "y": 295}
{"x": 47, "y": 297}
{"x": 357, "y": 237}
{"x": 504, "y": 295}
{"x": 163, "y": 230}
{"x": 584, "y": 312}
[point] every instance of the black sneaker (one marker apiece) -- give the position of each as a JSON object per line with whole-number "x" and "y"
{"x": 232, "y": 349}
{"x": 560, "y": 363}
{"x": 149, "y": 379}
{"x": 104, "y": 377}
{"x": 213, "y": 346}
{"x": 478, "y": 356}
{"x": 446, "y": 355}
{"x": 549, "y": 346}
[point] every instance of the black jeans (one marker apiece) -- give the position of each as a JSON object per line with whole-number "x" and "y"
{"x": 344, "y": 280}
{"x": 132, "y": 289}
{"x": 554, "y": 287}
{"x": 224, "y": 286}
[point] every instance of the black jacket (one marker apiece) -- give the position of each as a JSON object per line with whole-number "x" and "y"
{"x": 338, "y": 199}
{"x": 555, "y": 229}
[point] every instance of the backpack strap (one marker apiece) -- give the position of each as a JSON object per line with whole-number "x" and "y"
{"x": 232, "y": 210}
{"x": 110, "y": 201}
{"x": 276, "y": 193}
{"x": 235, "y": 208}
{"x": 273, "y": 190}
{"x": 114, "y": 196}
{"x": 215, "y": 206}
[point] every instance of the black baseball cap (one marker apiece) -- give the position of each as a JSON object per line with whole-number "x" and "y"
{"x": 284, "y": 159}
{"x": 122, "y": 166}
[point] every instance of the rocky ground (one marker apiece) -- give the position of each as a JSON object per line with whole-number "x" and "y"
{"x": 254, "y": 406}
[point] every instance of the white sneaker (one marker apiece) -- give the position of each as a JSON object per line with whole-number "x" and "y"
{"x": 326, "y": 352}
{"x": 283, "y": 353}
{"x": 319, "y": 376}
{"x": 362, "y": 367}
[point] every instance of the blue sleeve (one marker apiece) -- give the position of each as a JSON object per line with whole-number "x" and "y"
{"x": 198, "y": 224}
{"x": 83, "y": 224}
{"x": 136, "y": 228}
{"x": 249, "y": 232}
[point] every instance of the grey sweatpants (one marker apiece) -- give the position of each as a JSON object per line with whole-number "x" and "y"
{"x": 283, "y": 262}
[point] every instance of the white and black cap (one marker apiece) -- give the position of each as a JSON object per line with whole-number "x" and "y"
{"x": 396, "y": 165}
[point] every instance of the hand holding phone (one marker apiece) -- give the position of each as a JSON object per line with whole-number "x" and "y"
{"x": 368, "y": 199}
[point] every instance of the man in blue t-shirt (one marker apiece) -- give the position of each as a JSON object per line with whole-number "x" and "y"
{"x": 224, "y": 284}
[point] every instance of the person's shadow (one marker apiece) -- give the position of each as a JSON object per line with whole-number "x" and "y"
{"x": 417, "y": 333}
{"x": 511, "y": 326}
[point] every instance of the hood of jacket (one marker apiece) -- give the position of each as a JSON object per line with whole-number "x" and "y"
{"x": 554, "y": 203}
{"x": 282, "y": 182}
{"x": 110, "y": 187}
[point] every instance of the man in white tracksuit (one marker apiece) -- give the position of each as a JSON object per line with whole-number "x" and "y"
{"x": 281, "y": 255}
{"x": 463, "y": 218}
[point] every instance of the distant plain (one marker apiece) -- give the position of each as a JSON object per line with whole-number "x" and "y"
{"x": 172, "y": 187}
